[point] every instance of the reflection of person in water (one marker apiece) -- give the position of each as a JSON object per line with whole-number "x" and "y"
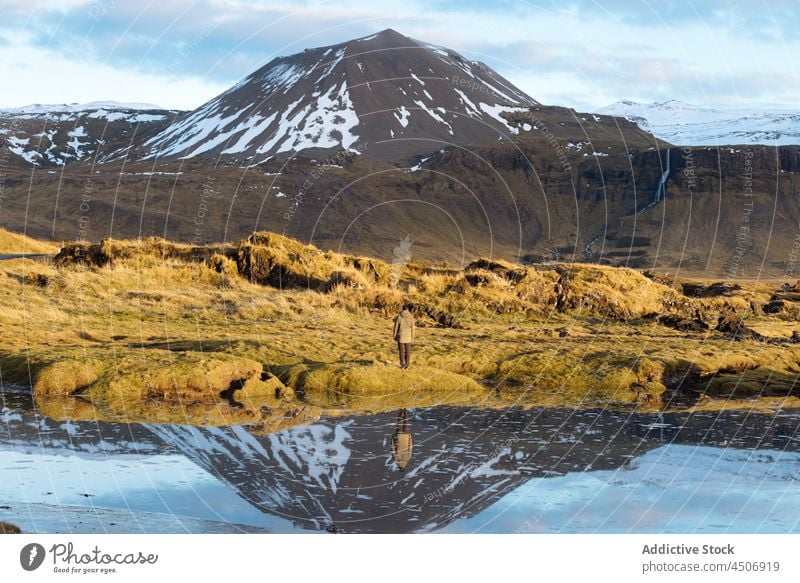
{"x": 402, "y": 442}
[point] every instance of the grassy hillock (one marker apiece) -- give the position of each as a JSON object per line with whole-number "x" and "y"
{"x": 272, "y": 332}
{"x": 15, "y": 243}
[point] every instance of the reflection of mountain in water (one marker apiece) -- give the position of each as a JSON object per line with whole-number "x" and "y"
{"x": 341, "y": 473}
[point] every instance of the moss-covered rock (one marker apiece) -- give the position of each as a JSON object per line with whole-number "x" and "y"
{"x": 173, "y": 377}
{"x": 566, "y": 379}
{"x": 133, "y": 382}
{"x": 6, "y": 528}
{"x": 268, "y": 384}
{"x": 364, "y": 379}
{"x": 66, "y": 377}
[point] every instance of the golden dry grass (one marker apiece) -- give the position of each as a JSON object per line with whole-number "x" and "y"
{"x": 15, "y": 243}
{"x": 156, "y": 335}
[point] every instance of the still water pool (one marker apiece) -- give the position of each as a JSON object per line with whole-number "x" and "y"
{"x": 443, "y": 469}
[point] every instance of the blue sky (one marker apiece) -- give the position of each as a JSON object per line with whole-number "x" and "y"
{"x": 582, "y": 54}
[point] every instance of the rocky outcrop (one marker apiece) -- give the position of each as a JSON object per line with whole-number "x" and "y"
{"x": 153, "y": 248}
{"x": 732, "y": 324}
{"x": 6, "y": 528}
{"x": 278, "y": 261}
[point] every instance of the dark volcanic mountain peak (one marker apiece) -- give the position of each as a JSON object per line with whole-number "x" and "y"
{"x": 386, "y": 92}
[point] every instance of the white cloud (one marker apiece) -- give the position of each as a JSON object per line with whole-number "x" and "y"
{"x": 586, "y": 55}
{"x": 35, "y": 75}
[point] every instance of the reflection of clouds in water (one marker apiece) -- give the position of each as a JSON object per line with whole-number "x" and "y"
{"x": 41, "y": 476}
{"x": 675, "y": 488}
{"x": 169, "y": 484}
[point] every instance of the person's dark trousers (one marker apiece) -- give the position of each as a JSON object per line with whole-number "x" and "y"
{"x": 405, "y": 353}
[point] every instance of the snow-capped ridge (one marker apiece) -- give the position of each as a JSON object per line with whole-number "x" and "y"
{"x": 684, "y": 124}
{"x": 35, "y": 108}
{"x": 60, "y": 134}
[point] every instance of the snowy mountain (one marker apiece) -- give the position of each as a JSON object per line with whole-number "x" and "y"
{"x": 683, "y": 124}
{"x": 386, "y": 92}
{"x": 59, "y": 134}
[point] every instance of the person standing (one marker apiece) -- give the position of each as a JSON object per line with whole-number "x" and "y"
{"x": 404, "y": 330}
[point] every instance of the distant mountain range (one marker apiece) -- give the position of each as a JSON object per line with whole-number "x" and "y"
{"x": 386, "y": 93}
{"x": 59, "y": 134}
{"x": 363, "y": 144}
{"x": 37, "y": 109}
{"x": 683, "y": 124}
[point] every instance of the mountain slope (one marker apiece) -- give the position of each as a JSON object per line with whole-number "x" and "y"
{"x": 383, "y": 93}
{"x": 688, "y": 125}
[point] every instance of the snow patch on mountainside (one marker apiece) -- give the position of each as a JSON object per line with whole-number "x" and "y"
{"x": 495, "y": 111}
{"x": 75, "y": 144}
{"x": 61, "y": 134}
{"x": 126, "y": 116}
{"x": 436, "y": 113}
{"x": 258, "y": 125}
{"x": 18, "y": 146}
{"x": 402, "y": 115}
{"x": 330, "y": 123}
{"x": 191, "y": 131}
{"x": 472, "y": 109}
{"x": 327, "y": 120}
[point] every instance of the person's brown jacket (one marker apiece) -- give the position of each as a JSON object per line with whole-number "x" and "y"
{"x": 404, "y": 327}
